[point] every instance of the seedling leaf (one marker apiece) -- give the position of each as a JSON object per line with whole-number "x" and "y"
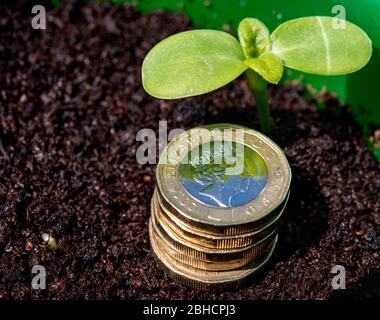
{"x": 254, "y": 37}
{"x": 192, "y": 63}
{"x": 269, "y": 66}
{"x": 314, "y": 45}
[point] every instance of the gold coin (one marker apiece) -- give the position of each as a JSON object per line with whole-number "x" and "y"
{"x": 221, "y": 192}
{"x": 203, "y": 279}
{"x": 217, "y": 195}
{"x": 209, "y": 259}
{"x": 169, "y": 221}
{"x": 221, "y": 230}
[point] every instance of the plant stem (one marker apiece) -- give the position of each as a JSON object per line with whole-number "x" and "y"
{"x": 259, "y": 88}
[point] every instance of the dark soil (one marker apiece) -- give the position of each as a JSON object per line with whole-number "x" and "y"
{"x": 71, "y": 103}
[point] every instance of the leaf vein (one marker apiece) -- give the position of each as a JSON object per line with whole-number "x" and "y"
{"x": 326, "y": 43}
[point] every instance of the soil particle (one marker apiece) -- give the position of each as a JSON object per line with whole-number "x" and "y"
{"x": 71, "y": 103}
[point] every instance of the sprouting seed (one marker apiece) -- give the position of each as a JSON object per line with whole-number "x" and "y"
{"x": 195, "y": 62}
{"x": 49, "y": 241}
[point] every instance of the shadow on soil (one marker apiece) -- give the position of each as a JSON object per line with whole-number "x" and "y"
{"x": 305, "y": 219}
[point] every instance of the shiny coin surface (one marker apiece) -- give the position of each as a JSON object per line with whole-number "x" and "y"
{"x": 221, "y": 192}
{"x": 223, "y": 176}
{"x": 203, "y": 279}
{"x": 208, "y": 259}
{"x": 227, "y": 230}
{"x": 186, "y": 232}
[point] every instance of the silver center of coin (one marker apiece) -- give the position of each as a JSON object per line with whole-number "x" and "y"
{"x": 223, "y": 174}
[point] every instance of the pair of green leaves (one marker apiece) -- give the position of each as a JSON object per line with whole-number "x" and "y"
{"x": 195, "y": 62}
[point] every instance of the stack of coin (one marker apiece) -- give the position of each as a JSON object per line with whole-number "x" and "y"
{"x": 221, "y": 192}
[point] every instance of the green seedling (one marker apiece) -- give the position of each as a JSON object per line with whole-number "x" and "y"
{"x": 195, "y": 62}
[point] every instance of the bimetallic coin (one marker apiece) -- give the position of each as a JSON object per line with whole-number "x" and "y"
{"x": 204, "y": 174}
{"x": 209, "y": 259}
{"x": 221, "y": 230}
{"x": 211, "y": 265}
{"x": 169, "y": 222}
{"x": 203, "y": 279}
{"x": 221, "y": 192}
{"x": 175, "y": 222}
{"x": 223, "y": 176}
